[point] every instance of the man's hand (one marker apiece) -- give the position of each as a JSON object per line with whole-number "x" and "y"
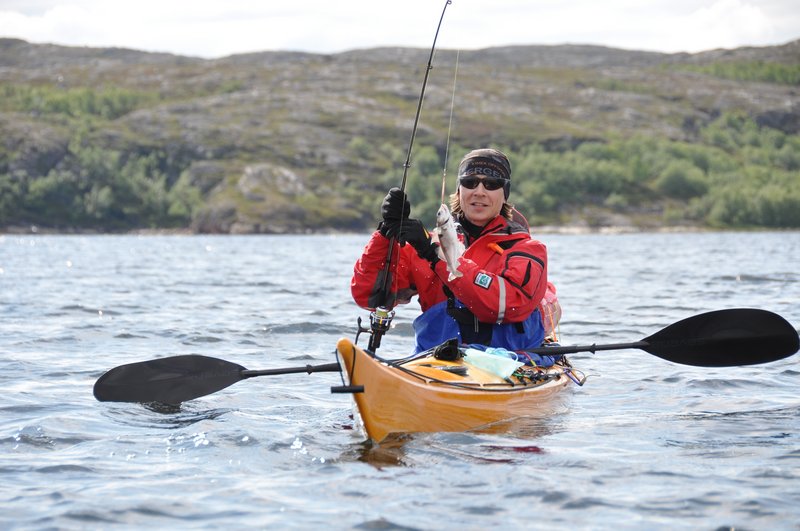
{"x": 394, "y": 209}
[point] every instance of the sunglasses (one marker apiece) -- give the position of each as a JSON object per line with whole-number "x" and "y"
{"x": 490, "y": 183}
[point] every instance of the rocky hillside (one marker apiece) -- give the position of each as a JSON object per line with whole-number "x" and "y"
{"x": 288, "y": 142}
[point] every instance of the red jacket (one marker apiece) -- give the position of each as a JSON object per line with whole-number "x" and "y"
{"x": 504, "y": 274}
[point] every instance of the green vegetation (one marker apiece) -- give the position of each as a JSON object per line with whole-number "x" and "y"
{"x": 763, "y": 71}
{"x": 738, "y": 175}
{"x": 101, "y": 189}
{"x": 108, "y": 103}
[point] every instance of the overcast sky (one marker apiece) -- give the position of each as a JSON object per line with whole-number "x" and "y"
{"x": 215, "y": 28}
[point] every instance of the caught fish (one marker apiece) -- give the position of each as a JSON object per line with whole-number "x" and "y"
{"x": 450, "y": 247}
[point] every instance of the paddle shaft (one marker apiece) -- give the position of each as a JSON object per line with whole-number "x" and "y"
{"x": 573, "y": 349}
{"x": 327, "y": 367}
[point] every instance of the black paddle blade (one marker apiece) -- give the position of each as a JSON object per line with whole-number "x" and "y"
{"x": 725, "y": 338}
{"x": 167, "y": 380}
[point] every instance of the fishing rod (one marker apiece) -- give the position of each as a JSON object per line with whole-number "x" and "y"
{"x": 428, "y": 69}
{"x": 381, "y": 317}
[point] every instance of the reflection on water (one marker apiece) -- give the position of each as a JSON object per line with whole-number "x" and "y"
{"x": 390, "y": 452}
{"x": 493, "y": 443}
{"x": 166, "y": 416}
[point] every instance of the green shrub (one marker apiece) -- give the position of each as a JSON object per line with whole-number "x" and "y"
{"x": 681, "y": 180}
{"x": 108, "y": 103}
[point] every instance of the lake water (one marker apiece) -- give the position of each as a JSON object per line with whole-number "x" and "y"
{"x": 645, "y": 444}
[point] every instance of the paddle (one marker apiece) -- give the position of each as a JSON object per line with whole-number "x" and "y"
{"x": 179, "y": 379}
{"x": 723, "y": 338}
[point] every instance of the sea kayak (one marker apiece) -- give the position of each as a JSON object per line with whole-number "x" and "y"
{"x": 427, "y": 394}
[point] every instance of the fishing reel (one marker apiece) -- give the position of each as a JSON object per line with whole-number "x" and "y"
{"x": 380, "y": 320}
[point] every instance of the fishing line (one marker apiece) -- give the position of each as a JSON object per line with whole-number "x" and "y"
{"x": 449, "y": 129}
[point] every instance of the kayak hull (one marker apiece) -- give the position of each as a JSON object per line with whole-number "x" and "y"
{"x": 430, "y": 395}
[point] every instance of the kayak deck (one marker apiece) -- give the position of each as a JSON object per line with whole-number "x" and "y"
{"x": 425, "y": 394}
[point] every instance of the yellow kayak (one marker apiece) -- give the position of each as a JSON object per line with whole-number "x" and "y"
{"x": 426, "y": 394}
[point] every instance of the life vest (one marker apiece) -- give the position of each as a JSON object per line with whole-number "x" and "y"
{"x": 452, "y": 319}
{"x": 438, "y": 324}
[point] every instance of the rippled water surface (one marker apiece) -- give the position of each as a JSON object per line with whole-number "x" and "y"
{"x": 645, "y": 444}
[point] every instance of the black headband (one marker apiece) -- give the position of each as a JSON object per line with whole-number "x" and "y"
{"x": 483, "y": 166}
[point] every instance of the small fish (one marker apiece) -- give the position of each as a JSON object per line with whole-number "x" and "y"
{"x": 450, "y": 247}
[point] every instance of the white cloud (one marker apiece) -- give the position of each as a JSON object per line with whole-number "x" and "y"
{"x": 215, "y": 28}
{"x": 726, "y": 23}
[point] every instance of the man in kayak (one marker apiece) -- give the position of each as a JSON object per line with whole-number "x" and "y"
{"x": 497, "y": 300}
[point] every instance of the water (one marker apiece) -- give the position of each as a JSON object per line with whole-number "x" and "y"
{"x": 646, "y": 444}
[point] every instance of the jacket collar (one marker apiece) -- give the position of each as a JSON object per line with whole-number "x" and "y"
{"x": 499, "y": 226}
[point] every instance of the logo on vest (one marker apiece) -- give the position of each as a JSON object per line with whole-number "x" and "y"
{"x": 483, "y": 280}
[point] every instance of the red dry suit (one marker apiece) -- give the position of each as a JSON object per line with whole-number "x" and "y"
{"x": 495, "y": 302}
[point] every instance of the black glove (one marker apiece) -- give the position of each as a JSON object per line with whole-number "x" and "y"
{"x": 414, "y": 233}
{"x": 395, "y": 207}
